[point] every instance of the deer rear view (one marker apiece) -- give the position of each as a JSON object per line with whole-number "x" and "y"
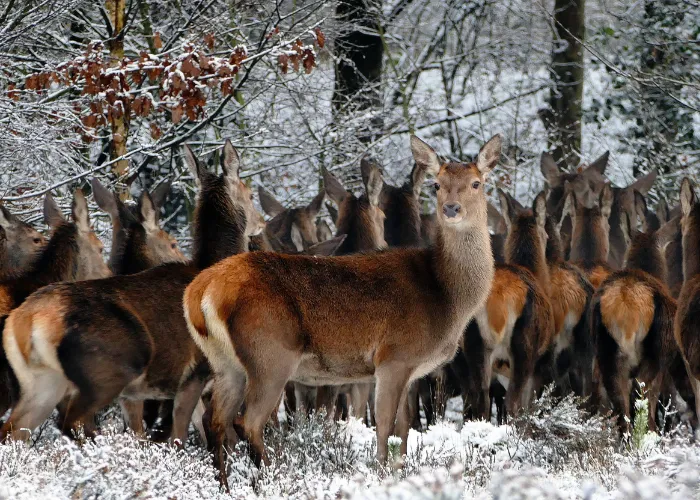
{"x": 632, "y": 319}
{"x": 262, "y": 318}
{"x": 125, "y": 336}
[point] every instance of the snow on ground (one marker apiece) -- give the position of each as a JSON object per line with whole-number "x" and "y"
{"x": 551, "y": 452}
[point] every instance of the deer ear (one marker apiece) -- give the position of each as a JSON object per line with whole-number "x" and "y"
{"x": 495, "y": 220}
{"x": 148, "y": 213}
{"x": 550, "y": 170}
{"x": 80, "y": 211}
{"x": 6, "y": 217}
{"x": 333, "y": 212}
{"x": 372, "y": 179}
{"x": 160, "y": 193}
{"x": 626, "y": 227}
{"x": 334, "y": 189}
{"x": 569, "y": 207}
{"x": 507, "y": 208}
{"x": 104, "y": 198}
{"x": 269, "y": 203}
{"x": 599, "y": 165}
{"x": 644, "y": 183}
{"x": 231, "y": 162}
{"x": 687, "y": 197}
{"x": 326, "y": 248}
{"x": 539, "y": 208}
{"x": 606, "y": 201}
{"x": 490, "y": 153}
{"x": 640, "y": 209}
{"x": 425, "y": 156}
{"x": 195, "y": 166}
{"x": 52, "y": 214}
{"x": 418, "y": 175}
{"x": 662, "y": 212}
{"x": 323, "y": 231}
{"x": 668, "y": 231}
{"x": 315, "y": 206}
{"x": 297, "y": 239}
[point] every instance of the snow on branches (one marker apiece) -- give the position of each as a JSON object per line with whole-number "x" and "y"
{"x": 178, "y": 84}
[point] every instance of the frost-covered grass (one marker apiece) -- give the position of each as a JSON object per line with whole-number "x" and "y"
{"x": 553, "y": 451}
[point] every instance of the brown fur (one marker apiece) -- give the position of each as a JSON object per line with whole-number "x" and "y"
{"x": 586, "y": 182}
{"x": 123, "y": 335}
{"x": 516, "y": 325}
{"x": 396, "y": 315}
{"x": 20, "y": 244}
{"x": 294, "y": 228}
{"x": 687, "y": 327}
{"x": 632, "y": 320}
{"x": 72, "y": 253}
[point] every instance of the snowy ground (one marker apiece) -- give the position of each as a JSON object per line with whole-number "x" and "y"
{"x": 550, "y": 453}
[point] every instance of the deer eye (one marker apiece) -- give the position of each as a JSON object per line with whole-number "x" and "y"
{"x": 37, "y": 241}
{"x": 173, "y": 245}
{"x": 436, "y": 186}
{"x": 476, "y": 184}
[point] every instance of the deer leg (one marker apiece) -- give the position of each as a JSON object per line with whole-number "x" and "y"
{"x": 392, "y": 379}
{"x": 185, "y": 402}
{"x": 263, "y": 393}
{"x": 35, "y": 406}
{"x": 618, "y": 388}
{"x": 198, "y": 421}
{"x": 403, "y": 416}
{"x": 326, "y": 397}
{"x": 520, "y": 382}
{"x": 132, "y": 410}
{"x": 227, "y": 396}
{"x": 306, "y": 397}
{"x": 359, "y": 396}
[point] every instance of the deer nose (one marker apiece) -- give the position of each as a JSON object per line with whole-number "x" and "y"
{"x": 451, "y": 209}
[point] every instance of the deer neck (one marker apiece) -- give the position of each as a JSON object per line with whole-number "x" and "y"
{"x": 59, "y": 260}
{"x": 219, "y": 232}
{"x": 464, "y": 263}
{"x": 691, "y": 256}
{"x": 645, "y": 255}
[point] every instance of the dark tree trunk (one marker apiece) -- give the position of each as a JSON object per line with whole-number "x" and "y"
{"x": 358, "y": 71}
{"x": 563, "y": 119}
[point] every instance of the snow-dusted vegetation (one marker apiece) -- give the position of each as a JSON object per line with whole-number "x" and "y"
{"x": 554, "y": 451}
{"x": 117, "y": 91}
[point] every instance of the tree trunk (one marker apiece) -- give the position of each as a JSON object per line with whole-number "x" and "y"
{"x": 358, "y": 71}
{"x": 120, "y": 130}
{"x": 563, "y": 119}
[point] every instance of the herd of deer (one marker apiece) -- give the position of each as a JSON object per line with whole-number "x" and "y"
{"x": 588, "y": 289}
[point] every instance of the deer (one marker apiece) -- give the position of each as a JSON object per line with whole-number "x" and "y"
{"x": 453, "y": 379}
{"x": 516, "y": 324}
{"x": 686, "y": 328}
{"x": 396, "y": 314}
{"x": 632, "y": 317}
{"x": 125, "y": 336}
{"x": 293, "y": 228}
{"x": 590, "y": 230}
{"x": 362, "y": 220}
{"x": 138, "y": 243}
{"x": 586, "y": 181}
{"x": 20, "y": 244}
{"x": 73, "y": 252}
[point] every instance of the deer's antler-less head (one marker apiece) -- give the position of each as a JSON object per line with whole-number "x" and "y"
{"x": 92, "y": 264}
{"x": 461, "y": 201}
{"x": 159, "y": 244}
{"x": 20, "y": 243}
{"x": 238, "y": 192}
